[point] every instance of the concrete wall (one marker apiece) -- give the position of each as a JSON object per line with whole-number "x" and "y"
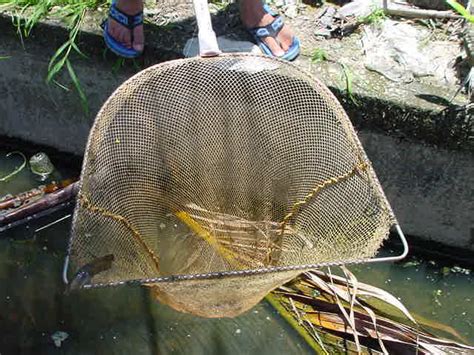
{"x": 47, "y": 114}
{"x": 430, "y": 188}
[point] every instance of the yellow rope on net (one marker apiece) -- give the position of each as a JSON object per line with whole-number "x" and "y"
{"x": 85, "y": 202}
{"x": 329, "y": 182}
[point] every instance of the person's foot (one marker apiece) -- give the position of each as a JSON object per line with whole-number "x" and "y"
{"x": 121, "y": 33}
{"x": 253, "y": 15}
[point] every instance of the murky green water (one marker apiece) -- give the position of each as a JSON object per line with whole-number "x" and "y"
{"x": 33, "y": 306}
{"x": 438, "y": 294}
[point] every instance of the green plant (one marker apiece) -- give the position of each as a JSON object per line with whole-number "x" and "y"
{"x": 348, "y": 80}
{"x": 60, "y": 59}
{"x": 375, "y": 17}
{"x": 27, "y": 13}
{"x": 221, "y": 5}
{"x": 31, "y": 10}
{"x": 119, "y": 63}
{"x": 319, "y": 55}
{"x": 461, "y": 10}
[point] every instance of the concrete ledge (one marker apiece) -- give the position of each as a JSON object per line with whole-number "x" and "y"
{"x": 421, "y": 149}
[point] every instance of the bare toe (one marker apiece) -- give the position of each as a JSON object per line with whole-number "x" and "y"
{"x": 253, "y": 15}
{"x": 274, "y": 47}
{"x": 120, "y": 33}
{"x": 285, "y": 37}
{"x": 138, "y": 38}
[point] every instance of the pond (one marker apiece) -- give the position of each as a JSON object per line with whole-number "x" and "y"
{"x": 37, "y": 316}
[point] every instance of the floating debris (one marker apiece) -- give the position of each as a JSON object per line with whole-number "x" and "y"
{"x": 411, "y": 263}
{"x": 445, "y": 271}
{"x": 455, "y": 270}
{"x": 58, "y": 338}
{"x": 436, "y": 295}
{"x": 460, "y": 270}
{"x": 41, "y": 165}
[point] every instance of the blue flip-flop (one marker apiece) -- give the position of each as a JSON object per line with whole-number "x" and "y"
{"x": 272, "y": 30}
{"x": 128, "y": 21}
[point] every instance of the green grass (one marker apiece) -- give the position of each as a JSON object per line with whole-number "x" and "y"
{"x": 27, "y": 13}
{"x": 34, "y": 11}
{"x": 221, "y": 5}
{"x": 319, "y": 55}
{"x": 461, "y": 10}
{"x": 347, "y": 78}
{"x": 375, "y": 17}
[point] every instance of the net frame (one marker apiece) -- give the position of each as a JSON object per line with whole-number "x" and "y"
{"x": 218, "y": 275}
{"x": 254, "y": 271}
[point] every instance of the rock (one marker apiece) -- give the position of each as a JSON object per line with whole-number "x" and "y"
{"x": 291, "y": 11}
{"x": 325, "y": 23}
{"x": 360, "y": 8}
{"x": 468, "y": 40}
{"x": 393, "y": 50}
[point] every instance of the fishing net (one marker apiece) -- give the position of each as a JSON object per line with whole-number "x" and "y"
{"x": 215, "y": 180}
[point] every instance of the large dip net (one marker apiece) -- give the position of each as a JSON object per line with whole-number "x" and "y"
{"x": 215, "y": 180}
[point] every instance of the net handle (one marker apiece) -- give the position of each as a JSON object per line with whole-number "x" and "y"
{"x": 208, "y": 46}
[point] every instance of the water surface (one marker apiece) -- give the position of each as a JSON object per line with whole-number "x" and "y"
{"x": 126, "y": 320}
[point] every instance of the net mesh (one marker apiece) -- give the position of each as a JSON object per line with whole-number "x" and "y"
{"x": 232, "y": 166}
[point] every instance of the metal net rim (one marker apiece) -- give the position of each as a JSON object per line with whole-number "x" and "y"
{"x": 248, "y": 272}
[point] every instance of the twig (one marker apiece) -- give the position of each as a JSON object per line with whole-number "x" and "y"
{"x": 404, "y": 11}
{"x": 53, "y": 223}
{"x": 290, "y": 319}
{"x": 348, "y": 318}
{"x": 51, "y": 200}
{"x": 33, "y": 194}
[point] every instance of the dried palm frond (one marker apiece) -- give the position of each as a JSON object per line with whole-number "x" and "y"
{"x": 335, "y": 310}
